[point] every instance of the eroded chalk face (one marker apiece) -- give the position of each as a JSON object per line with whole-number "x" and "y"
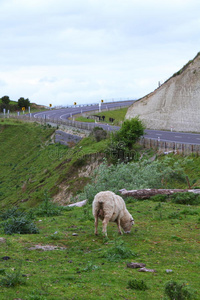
{"x": 128, "y": 225}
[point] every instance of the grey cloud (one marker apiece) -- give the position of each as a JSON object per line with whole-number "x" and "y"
{"x": 89, "y": 49}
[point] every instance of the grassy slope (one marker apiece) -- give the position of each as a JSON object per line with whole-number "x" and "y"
{"x": 118, "y": 115}
{"x": 165, "y": 236}
{"x": 31, "y": 164}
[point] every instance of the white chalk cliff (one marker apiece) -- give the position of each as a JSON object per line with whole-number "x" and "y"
{"x": 175, "y": 104}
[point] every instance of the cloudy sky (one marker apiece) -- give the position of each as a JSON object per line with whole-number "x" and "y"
{"x": 61, "y": 51}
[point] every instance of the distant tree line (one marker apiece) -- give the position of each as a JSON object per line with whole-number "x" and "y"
{"x": 5, "y": 103}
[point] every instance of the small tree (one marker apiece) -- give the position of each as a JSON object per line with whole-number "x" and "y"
{"x": 22, "y": 102}
{"x": 130, "y": 132}
{"x": 5, "y": 100}
{"x": 120, "y": 148}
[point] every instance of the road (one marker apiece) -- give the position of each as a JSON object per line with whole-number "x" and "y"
{"x": 65, "y": 113}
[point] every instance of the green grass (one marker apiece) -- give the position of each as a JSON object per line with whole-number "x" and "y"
{"x": 118, "y": 115}
{"x": 32, "y": 163}
{"x": 80, "y": 268}
{"x": 85, "y": 266}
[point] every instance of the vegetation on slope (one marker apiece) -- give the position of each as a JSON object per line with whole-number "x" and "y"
{"x": 32, "y": 163}
{"x": 77, "y": 264}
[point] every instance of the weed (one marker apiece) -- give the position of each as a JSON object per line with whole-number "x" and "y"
{"x": 137, "y": 285}
{"x": 20, "y": 225}
{"x": 189, "y": 212}
{"x": 90, "y": 267}
{"x": 178, "y": 291}
{"x": 159, "y": 208}
{"x": 159, "y": 198}
{"x": 174, "y": 215}
{"x": 2, "y": 271}
{"x": 87, "y": 212}
{"x": 48, "y": 208}
{"x": 98, "y": 134}
{"x": 12, "y": 212}
{"x": 13, "y": 278}
{"x": 176, "y": 238}
{"x": 118, "y": 251}
{"x": 185, "y": 198}
{"x": 36, "y": 295}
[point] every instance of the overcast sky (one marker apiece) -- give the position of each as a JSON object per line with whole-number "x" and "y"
{"x": 61, "y": 51}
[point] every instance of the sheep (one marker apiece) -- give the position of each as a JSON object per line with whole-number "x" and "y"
{"x": 110, "y": 207}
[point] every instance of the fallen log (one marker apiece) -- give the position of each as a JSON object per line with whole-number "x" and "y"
{"x": 148, "y": 193}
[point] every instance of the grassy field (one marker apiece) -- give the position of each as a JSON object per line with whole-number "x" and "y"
{"x": 165, "y": 236}
{"x": 85, "y": 266}
{"x": 118, "y": 115}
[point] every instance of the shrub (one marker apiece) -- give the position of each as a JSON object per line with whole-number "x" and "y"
{"x": 187, "y": 198}
{"x": 98, "y": 133}
{"x": 130, "y": 132}
{"x": 137, "y": 285}
{"x": 10, "y": 213}
{"x": 174, "y": 215}
{"x": 20, "y": 225}
{"x": 48, "y": 208}
{"x": 138, "y": 175}
{"x": 12, "y": 279}
{"x": 178, "y": 291}
{"x": 118, "y": 251}
{"x": 159, "y": 198}
{"x": 120, "y": 148}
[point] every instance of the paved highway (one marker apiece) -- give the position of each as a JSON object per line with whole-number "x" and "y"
{"x": 65, "y": 113}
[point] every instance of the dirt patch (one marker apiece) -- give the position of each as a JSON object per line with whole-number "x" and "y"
{"x": 78, "y": 175}
{"x": 46, "y": 248}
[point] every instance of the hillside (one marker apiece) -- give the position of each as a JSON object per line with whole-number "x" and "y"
{"x": 31, "y": 164}
{"x": 50, "y": 251}
{"x": 175, "y": 104}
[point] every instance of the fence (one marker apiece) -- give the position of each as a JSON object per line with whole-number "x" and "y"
{"x": 164, "y": 146}
{"x": 67, "y": 122}
{"x": 168, "y": 146}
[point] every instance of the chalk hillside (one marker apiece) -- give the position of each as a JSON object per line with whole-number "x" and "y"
{"x": 175, "y": 104}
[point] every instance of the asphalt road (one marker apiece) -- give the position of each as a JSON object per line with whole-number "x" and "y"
{"x": 65, "y": 113}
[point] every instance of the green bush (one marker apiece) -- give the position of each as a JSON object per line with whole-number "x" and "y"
{"x": 137, "y": 285}
{"x": 178, "y": 291}
{"x": 159, "y": 198}
{"x": 187, "y": 198}
{"x": 130, "y": 132}
{"x": 98, "y": 133}
{"x": 20, "y": 225}
{"x": 120, "y": 148}
{"x": 118, "y": 251}
{"x": 13, "y": 278}
{"x": 11, "y": 213}
{"x": 48, "y": 208}
{"x": 138, "y": 175}
{"x": 174, "y": 215}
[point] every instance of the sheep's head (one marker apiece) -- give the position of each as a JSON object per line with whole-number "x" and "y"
{"x": 128, "y": 224}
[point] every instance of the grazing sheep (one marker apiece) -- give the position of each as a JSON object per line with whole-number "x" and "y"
{"x": 110, "y": 207}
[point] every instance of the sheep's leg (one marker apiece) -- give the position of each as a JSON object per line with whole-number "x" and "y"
{"x": 118, "y": 225}
{"x": 96, "y": 225}
{"x": 105, "y": 223}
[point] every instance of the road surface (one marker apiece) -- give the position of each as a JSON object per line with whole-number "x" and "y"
{"x": 65, "y": 113}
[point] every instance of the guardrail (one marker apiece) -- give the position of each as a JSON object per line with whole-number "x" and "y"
{"x": 106, "y": 101}
{"x": 45, "y": 121}
{"x": 168, "y": 146}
